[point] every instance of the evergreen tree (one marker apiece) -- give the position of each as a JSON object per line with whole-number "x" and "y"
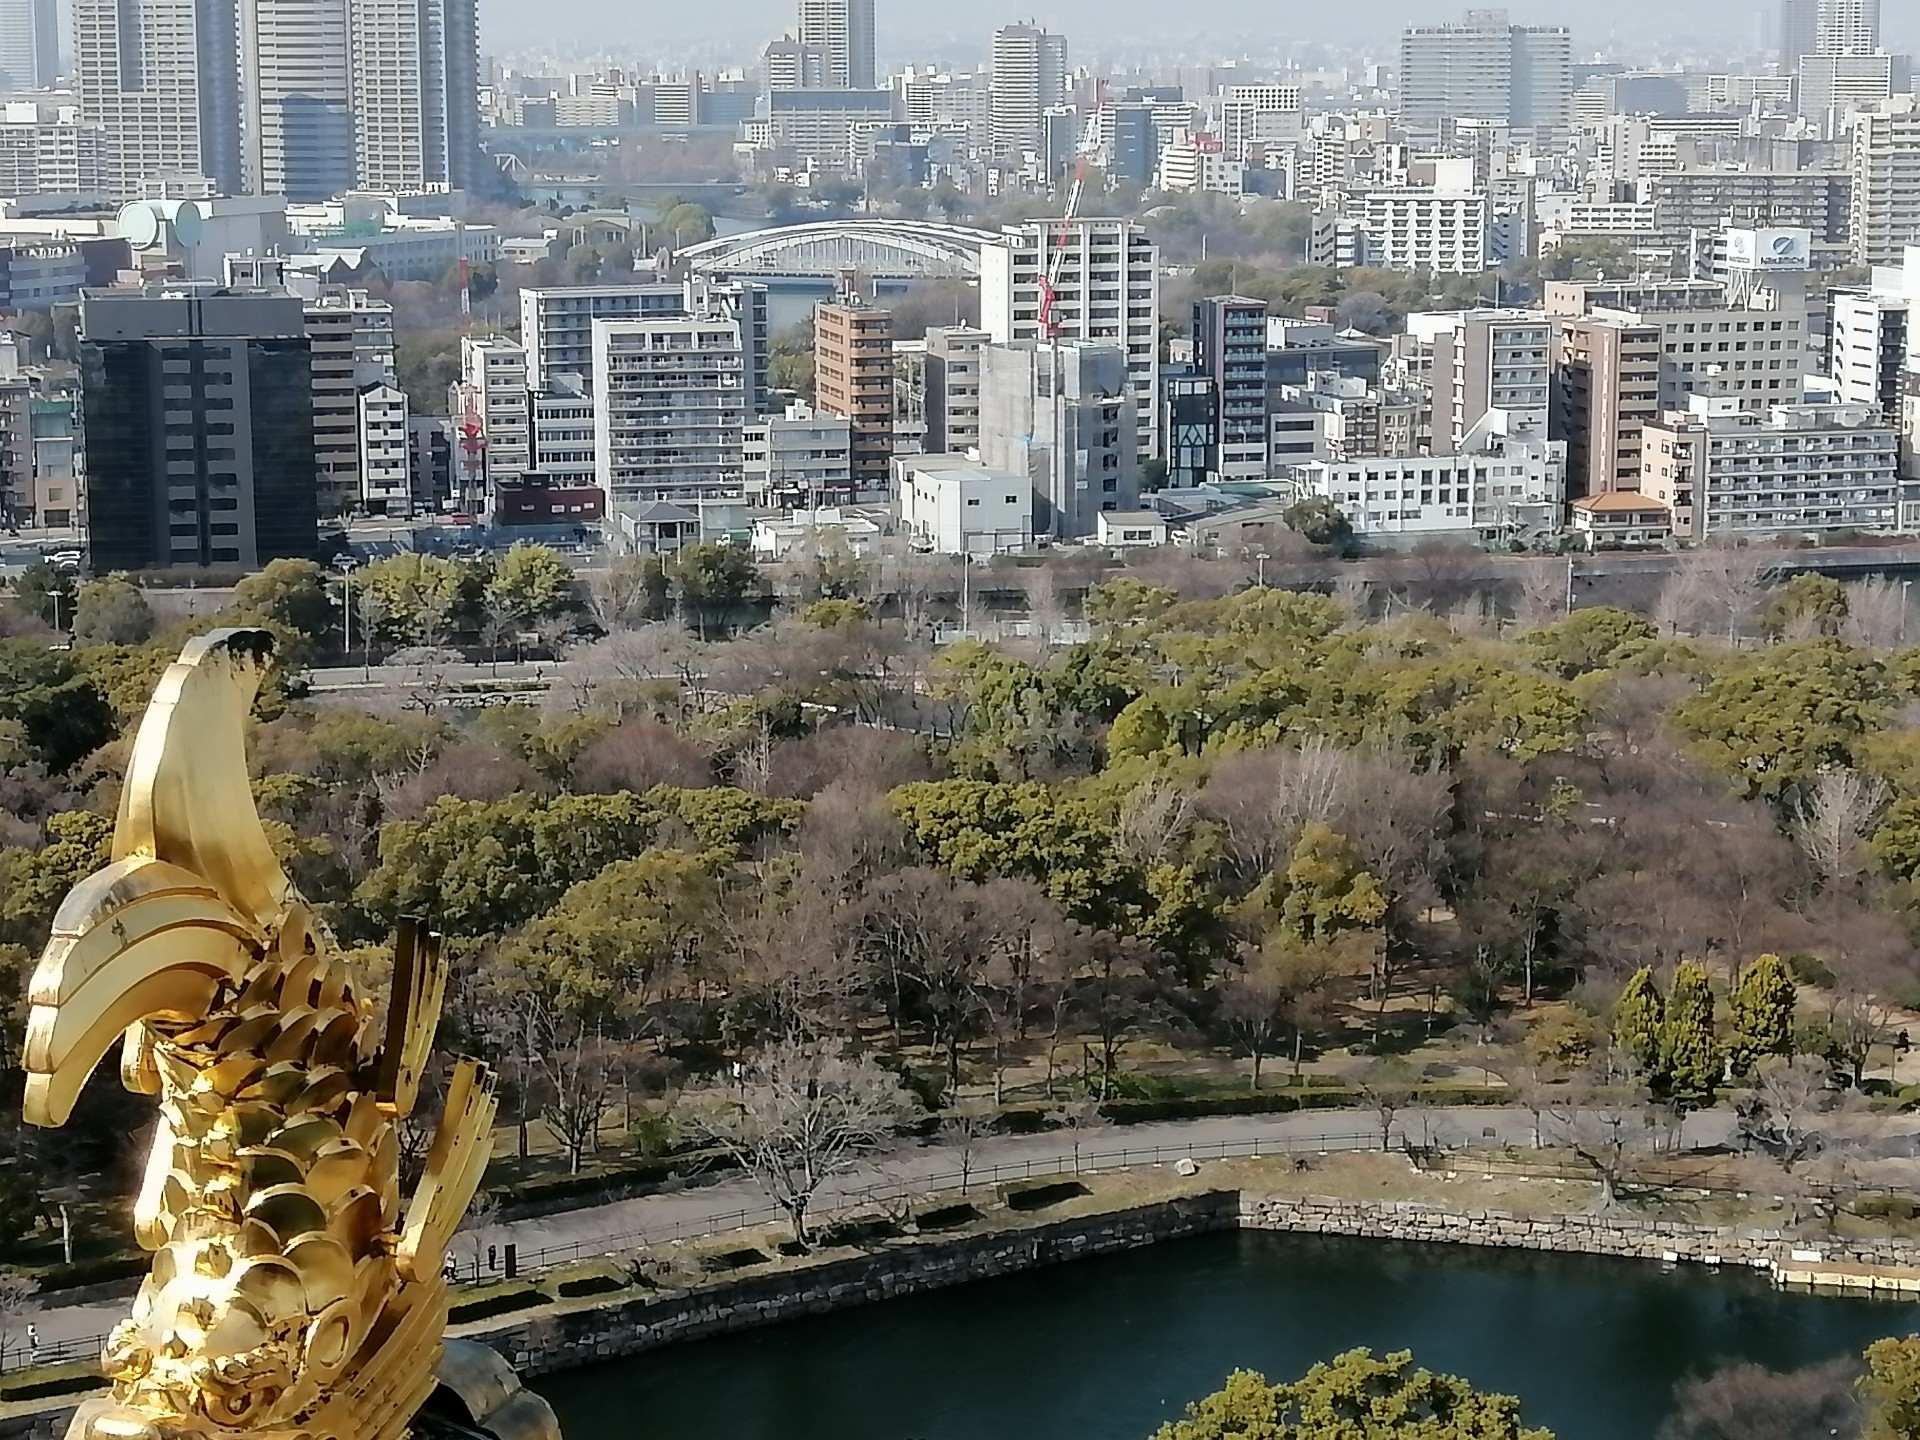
{"x": 1690, "y": 1057}
{"x": 1762, "y": 1005}
{"x": 1637, "y": 1020}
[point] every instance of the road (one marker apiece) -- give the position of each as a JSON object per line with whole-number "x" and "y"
{"x": 605, "y": 1229}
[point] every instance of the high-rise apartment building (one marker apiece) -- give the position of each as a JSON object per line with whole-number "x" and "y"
{"x": 415, "y": 91}
{"x": 1108, "y": 290}
{"x": 1743, "y": 340}
{"x": 1886, "y": 181}
{"x": 296, "y": 117}
{"x": 1486, "y": 68}
{"x": 1873, "y": 343}
{"x": 1799, "y": 33}
{"x": 556, "y": 323}
{"x": 1846, "y": 27}
{"x": 1722, "y": 471}
{"x": 1606, "y": 388}
{"x": 29, "y": 45}
{"x": 199, "y": 433}
{"x": 853, "y": 379}
{"x": 1491, "y": 375}
{"x": 351, "y": 337}
{"x": 386, "y": 468}
{"x": 1061, "y": 415}
{"x": 162, "y": 81}
{"x": 840, "y": 32}
{"x": 1230, "y": 349}
{"x": 494, "y": 383}
{"x": 953, "y": 389}
{"x": 1029, "y": 78}
{"x": 670, "y": 408}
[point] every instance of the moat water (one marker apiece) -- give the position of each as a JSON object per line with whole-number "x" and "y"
{"x": 1107, "y": 1349}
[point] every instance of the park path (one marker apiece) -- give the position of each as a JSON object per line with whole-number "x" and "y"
{"x": 64, "y": 1332}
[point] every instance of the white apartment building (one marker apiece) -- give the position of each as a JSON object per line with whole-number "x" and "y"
{"x": 953, "y": 506}
{"x": 1438, "y": 221}
{"x": 1490, "y": 374}
{"x": 1873, "y": 349}
{"x": 1198, "y": 161}
{"x": 1886, "y": 181}
{"x": 790, "y": 460}
{"x": 563, "y": 437}
{"x": 556, "y": 322}
{"x": 493, "y": 377}
{"x": 840, "y": 32}
{"x": 1514, "y": 490}
{"x": 50, "y": 150}
{"x": 670, "y": 408}
{"x": 1798, "y": 469}
{"x": 1109, "y": 290}
{"x": 386, "y": 469}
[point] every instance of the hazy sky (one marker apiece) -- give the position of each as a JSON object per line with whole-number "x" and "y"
{"x": 1726, "y": 26}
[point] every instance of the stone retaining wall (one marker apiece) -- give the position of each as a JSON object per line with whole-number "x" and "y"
{"x": 1571, "y": 1234}
{"x": 584, "y": 1333}
{"x": 562, "y": 1339}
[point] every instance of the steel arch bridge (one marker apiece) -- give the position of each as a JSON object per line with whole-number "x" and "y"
{"x": 882, "y": 249}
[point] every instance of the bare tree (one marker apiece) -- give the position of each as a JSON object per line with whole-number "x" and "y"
{"x": 1835, "y": 814}
{"x": 963, "y": 1127}
{"x": 574, "y": 1068}
{"x": 1714, "y": 590}
{"x": 1542, "y": 597}
{"x": 1600, "y": 1123}
{"x": 1388, "y": 1085}
{"x": 1262, "y": 799}
{"x": 795, "y": 1117}
{"x": 1155, "y": 817}
{"x": 1876, "y": 614}
{"x": 15, "y": 1291}
{"x": 1354, "y": 595}
{"x": 1077, "y": 1117}
{"x": 1789, "y": 1094}
{"x": 1747, "y": 1402}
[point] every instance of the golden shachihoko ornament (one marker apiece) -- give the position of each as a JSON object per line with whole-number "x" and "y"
{"x": 293, "y": 1295}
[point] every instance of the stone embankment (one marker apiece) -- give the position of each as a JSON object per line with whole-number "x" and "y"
{"x": 564, "y": 1337}
{"x": 569, "y": 1334}
{"x": 1624, "y": 1236}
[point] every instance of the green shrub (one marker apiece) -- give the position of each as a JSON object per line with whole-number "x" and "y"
{"x": 857, "y": 1232}
{"x": 578, "y": 1285}
{"x": 46, "y": 1381}
{"x": 946, "y": 1217}
{"x": 722, "y": 1261}
{"x": 1810, "y": 970}
{"x": 494, "y": 1300}
{"x": 1039, "y": 1197}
